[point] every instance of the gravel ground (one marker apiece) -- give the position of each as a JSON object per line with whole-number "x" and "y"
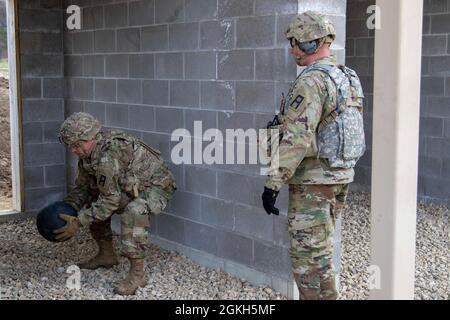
{"x": 42, "y": 272}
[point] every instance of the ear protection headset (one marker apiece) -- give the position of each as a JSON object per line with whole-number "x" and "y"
{"x": 308, "y": 47}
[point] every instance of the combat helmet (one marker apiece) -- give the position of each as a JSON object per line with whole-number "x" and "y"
{"x": 310, "y": 26}
{"x": 80, "y": 126}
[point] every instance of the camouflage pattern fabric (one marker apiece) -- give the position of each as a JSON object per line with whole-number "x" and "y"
{"x": 313, "y": 210}
{"x": 121, "y": 175}
{"x": 311, "y": 99}
{"x": 310, "y": 26}
{"x": 80, "y": 126}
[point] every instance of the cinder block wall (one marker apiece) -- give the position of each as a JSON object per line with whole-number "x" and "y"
{"x": 434, "y": 153}
{"x": 152, "y": 66}
{"x": 41, "y": 57}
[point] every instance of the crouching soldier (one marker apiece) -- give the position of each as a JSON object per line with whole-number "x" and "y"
{"x": 117, "y": 173}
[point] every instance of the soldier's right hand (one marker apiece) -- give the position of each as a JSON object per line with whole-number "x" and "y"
{"x": 269, "y": 197}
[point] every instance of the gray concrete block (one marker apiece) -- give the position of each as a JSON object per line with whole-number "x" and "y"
{"x": 53, "y": 88}
{"x": 446, "y": 170}
{"x": 431, "y": 127}
{"x": 172, "y": 11}
{"x": 235, "y": 8}
{"x": 105, "y": 90}
{"x": 142, "y": 118}
{"x": 336, "y": 7}
{"x": 236, "y": 65}
{"x": 83, "y": 42}
{"x": 207, "y": 118}
{"x": 51, "y": 131}
{"x": 201, "y": 181}
{"x": 117, "y": 115}
{"x": 197, "y": 10}
{"x": 155, "y": 38}
{"x": 34, "y": 177}
{"x": 217, "y": 34}
{"x": 73, "y": 66}
{"x": 97, "y": 109}
{"x": 94, "y": 66}
{"x": 255, "y": 96}
{"x": 42, "y": 65}
{"x": 42, "y": 110}
{"x": 178, "y": 173}
{"x": 116, "y": 66}
{"x": 447, "y": 128}
{"x": 40, "y": 20}
{"x": 81, "y": 88}
{"x": 142, "y": 66}
{"x": 167, "y": 120}
{"x": 253, "y": 222}
{"x": 364, "y": 47}
{"x": 128, "y": 40}
{"x": 235, "y": 247}
{"x": 129, "y": 91}
{"x": 185, "y": 93}
{"x": 434, "y": 6}
{"x": 440, "y": 65}
{"x": 93, "y": 18}
{"x": 268, "y": 7}
{"x": 186, "y": 205}
{"x": 280, "y": 233}
{"x": 158, "y": 141}
{"x": 200, "y": 237}
{"x": 36, "y": 199}
{"x": 72, "y": 106}
{"x": 184, "y": 36}
{"x": 169, "y": 66}
{"x": 360, "y": 65}
{"x": 433, "y": 86}
{"x": 436, "y": 187}
{"x": 438, "y": 147}
{"x": 116, "y": 15}
{"x": 358, "y": 28}
{"x": 271, "y": 259}
{"x": 437, "y": 107}
{"x": 218, "y": 95}
{"x": 105, "y": 41}
{"x": 246, "y": 37}
{"x": 39, "y": 43}
{"x": 44, "y": 154}
{"x": 426, "y": 24}
{"x": 430, "y": 166}
{"x": 142, "y": 12}
{"x": 235, "y": 120}
{"x": 155, "y": 92}
{"x": 32, "y": 132}
{"x": 247, "y": 193}
{"x": 282, "y": 25}
{"x": 170, "y": 228}
{"x": 439, "y": 23}
{"x": 31, "y": 88}
{"x": 200, "y": 65}
{"x": 275, "y": 64}
{"x": 434, "y": 45}
{"x": 55, "y": 175}
{"x": 217, "y": 213}
{"x": 447, "y": 86}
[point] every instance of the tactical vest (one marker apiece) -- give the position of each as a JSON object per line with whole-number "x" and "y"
{"x": 340, "y": 134}
{"x": 144, "y": 165}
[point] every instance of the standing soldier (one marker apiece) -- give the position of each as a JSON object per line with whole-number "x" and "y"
{"x": 117, "y": 173}
{"x": 322, "y": 139}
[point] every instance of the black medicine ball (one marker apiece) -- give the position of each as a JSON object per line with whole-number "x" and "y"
{"x": 48, "y": 220}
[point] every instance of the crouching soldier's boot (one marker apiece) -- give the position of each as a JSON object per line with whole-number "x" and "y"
{"x": 105, "y": 257}
{"x": 134, "y": 280}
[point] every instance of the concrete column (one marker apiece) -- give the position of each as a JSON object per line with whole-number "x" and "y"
{"x": 395, "y": 147}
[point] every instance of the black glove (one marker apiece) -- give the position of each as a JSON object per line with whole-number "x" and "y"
{"x": 269, "y": 197}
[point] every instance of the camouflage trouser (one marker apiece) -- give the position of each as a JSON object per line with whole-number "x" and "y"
{"x": 135, "y": 222}
{"x": 312, "y": 212}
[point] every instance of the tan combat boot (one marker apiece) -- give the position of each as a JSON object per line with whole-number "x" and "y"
{"x": 134, "y": 280}
{"x": 105, "y": 257}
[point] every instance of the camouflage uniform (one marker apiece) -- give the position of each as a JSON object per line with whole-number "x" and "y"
{"x": 317, "y": 192}
{"x": 125, "y": 176}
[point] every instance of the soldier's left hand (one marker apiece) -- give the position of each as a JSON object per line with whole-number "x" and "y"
{"x": 269, "y": 197}
{"x": 69, "y": 230}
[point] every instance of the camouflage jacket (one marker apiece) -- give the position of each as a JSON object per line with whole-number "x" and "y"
{"x": 311, "y": 98}
{"x": 118, "y": 168}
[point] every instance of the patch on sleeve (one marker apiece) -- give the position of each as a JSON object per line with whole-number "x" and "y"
{"x": 102, "y": 180}
{"x": 297, "y": 102}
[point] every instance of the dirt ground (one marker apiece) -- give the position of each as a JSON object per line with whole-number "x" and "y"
{"x": 5, "y": 147}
